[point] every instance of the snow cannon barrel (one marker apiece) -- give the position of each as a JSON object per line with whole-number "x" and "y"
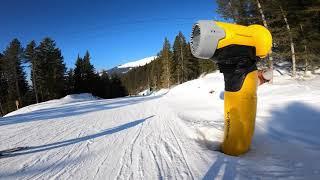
{"x": 235, "y": 49}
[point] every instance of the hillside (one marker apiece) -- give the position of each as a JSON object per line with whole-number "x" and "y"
{"x": 167, "y": 135}
{"x": 124, "y": 68}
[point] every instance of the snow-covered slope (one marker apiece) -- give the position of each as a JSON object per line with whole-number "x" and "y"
{"x": 124, "y": 68}
{"x": 137, "y": 63}
{"x": 168, "y": 135}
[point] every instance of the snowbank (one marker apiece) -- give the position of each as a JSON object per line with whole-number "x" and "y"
{"x": 79, "y": 97}
{"x": 56, "y": 102}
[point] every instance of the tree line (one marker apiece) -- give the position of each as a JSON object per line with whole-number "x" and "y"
{"x": 296, "y": 38}
{"x": 174, "y": 65}
{"x": 294, "y": 25}
{"x": 49, "y": 76}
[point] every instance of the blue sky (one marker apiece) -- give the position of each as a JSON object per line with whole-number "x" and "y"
{"x": 114, "y": 31}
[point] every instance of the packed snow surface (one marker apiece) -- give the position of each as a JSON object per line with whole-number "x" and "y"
{"x": 138, "y": 63}
{"x": 171, "y": 134}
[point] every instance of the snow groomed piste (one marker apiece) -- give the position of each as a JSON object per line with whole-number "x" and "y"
{"x": 167, "y": 135}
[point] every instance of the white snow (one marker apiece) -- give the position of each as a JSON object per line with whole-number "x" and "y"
{"x": 138, "y": 63}
{"x": 48, "y": 104}
{"x": 167, "y": 135}
{"x": 145, "y": 92}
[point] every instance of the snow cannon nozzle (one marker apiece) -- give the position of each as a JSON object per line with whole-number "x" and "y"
{"x": 207, "y": 36}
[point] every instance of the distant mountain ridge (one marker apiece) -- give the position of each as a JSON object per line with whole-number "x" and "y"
{"x": 124, "y": 68}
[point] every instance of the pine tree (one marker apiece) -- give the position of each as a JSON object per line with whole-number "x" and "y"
{"x": 166, "y": 60}
{"x": 243, "y": 12}
{"x": 78, "y": 74}
{"x": 192, "y": 65}
{"x": 153, "y": 74}
{"x": 117, "y": 88}
{"x": 285, "y": 27}
{"x": 84, "y": 75}
{"x": 30, "y": 55}
{"x": 186, "y": 65}
{"x": 180, "y": 59}
{"x": 14, "y": 75}
{"x": 51, "y": 70}
{"x": 3, "y": 86}
{"x": 90, "y": 76}
{"x": 69, "y": 85}
{"x": 303, "y": 17}
{"x": 206, "y": 66}
{"x": 104, "y": 88}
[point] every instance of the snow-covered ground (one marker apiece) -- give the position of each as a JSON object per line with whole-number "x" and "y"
{"x": 167, "y": 135}
{"x": 137, "y": 63}
{"x": 124, "y": 68}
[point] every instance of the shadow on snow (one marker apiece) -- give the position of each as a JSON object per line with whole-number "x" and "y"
{"x": 73, "y": 109}
{"x": 295, "y": 125}
{"x": 46, "y": 147}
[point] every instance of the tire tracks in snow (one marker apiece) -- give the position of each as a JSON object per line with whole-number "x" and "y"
{"x": 182, "y": 153}
{"x": 170, "y": 119}
{"x": 151, "y": 149}
{"x": 47, "y": 156}
{"x": 27, "y": 164}
{"x": 129, "y": 150}
{"x": 64, "y": 157}
{"x": 79, "y": 150}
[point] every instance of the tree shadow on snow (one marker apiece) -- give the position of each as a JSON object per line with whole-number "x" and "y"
{"x": 46, "y": 147}
{"x": 297, "y": 125}
{"x": 301, "y": 121}
{"x": 29, "y": 172}
{"x": 73, "y": 109}
{"x": 297, "y": 122}
{"x": 222, "y": 168}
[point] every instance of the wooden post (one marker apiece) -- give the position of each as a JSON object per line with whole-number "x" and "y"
{"x": 1, "y": 110}
{"x": 17, "y": 104}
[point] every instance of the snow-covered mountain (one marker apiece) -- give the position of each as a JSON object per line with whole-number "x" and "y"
{"x": 166, "y": 135}
{"x": 124, "y": 68}
{"x": 137, "y": 63}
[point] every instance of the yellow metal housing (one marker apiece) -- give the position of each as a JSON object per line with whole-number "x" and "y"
{"x": 239, "y": 114}
{"x": 253, "y": 35}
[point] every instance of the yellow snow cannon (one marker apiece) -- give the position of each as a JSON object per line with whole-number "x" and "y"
{"x": 236, "y": 49}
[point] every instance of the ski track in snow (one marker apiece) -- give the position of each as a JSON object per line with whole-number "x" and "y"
{"x": 165, "y": 136}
